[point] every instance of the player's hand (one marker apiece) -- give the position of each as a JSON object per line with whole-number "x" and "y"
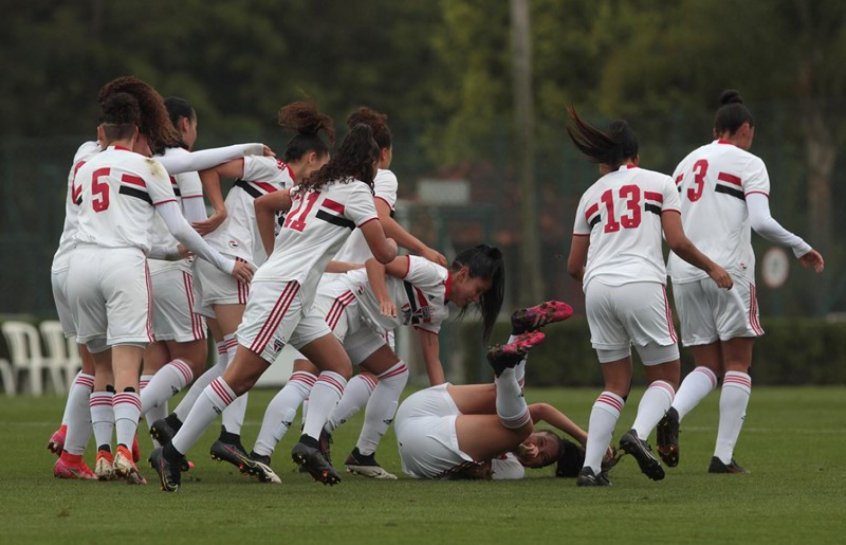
{"x": 184, "y": 252}
{"x": 527, "y": 450}
{"x": 813, "y": 259}
{"x": 206, "y": 226}
{"x": 267, "y": 152}
{"x": 721, "y": 277}
{"x": 243, "y": 271}
{"x": 388, "y": 308}
{"x": 434, "y": 256}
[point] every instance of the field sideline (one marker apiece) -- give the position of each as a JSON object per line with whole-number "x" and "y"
{"x": 793, "y": 443}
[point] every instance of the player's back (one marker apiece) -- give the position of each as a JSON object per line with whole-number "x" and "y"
{"x": 713, "y": 182}
{"x": 118, "y": 189}
{"x": 621, "y": 212}
{"x": 85, "y": 152}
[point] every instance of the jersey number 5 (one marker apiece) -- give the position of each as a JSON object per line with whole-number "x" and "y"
{"x": 628, "y": 221}
{"x": 100, "y": 190}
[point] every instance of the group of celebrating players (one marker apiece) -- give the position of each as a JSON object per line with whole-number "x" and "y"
{"x": 303, "y": 252}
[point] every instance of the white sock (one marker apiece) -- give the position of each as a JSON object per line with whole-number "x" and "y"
{"x": 356, "y": 395}
{"x": 381, "y": 407}
{"x": 127, "y": 407}
{"x": 216, "y": 397}
{"x": 654, "y": 403}
{"x": 234, "y": 415}
{"x": 694, "y": 388}
{"x": 734, "y": 398}
{"x": 78, "y": 414}
{"x": 325, "y": 394}
{"x": 102, "y": 417}
{"x": 197, "y": 388}
{"x": 166, "y": 383}
{"x": 281, "y": 411}
{"x": 603, "y": 419}
{"x": 510, "y": 404}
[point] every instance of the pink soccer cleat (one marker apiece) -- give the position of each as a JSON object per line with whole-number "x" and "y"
{"x": 72, "y": 466}
{"x": 502, "y": 357}
{"x": 532, "y": 318}
{"x": 57, "y": 440}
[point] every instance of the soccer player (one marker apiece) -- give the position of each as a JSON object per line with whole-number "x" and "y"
{"x": 108, "y": 281}
{"x": 616, "y": 254}
{"x": 724, "y": 192}
{"x": 326, "y": 208}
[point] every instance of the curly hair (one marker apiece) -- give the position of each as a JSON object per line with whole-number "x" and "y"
{"x": 120, "y": 115}
{"x": 376, "y": 121}
{"x": 304, "y": 118}
{"x": 155, "y": 121}
{"x": 355, "y": 160}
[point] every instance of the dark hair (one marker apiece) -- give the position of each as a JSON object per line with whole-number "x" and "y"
{"x": 571, "y": 458}
{"x": 486, "y": 262}
{"x": 611, "y": 148}
{"x": 304, "y": 118}
{"x": 177, "y": 108}
{"x": 354, "y": 160}
{"x": 732, "y": 113}
{"x": 155, "y": 122}
{"x": 120, "y": 115}
{"x": 376, "y": 121}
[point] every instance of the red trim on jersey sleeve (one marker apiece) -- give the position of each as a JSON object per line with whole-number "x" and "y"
{"x": 581, "y": 234}
{"x": 676, "y": 210}
{"x": 135, "y": 180}
{"x": 651, "y": 195}
{"x": 192, "y": 196}
{"x": 764, "y": 193}
{"x": 333, "y": 205}
{"x": 407, "y": 266}
{"x": 386, "y": 201}
{"x": 268, "y": 187}
{"x": 368, "y": 220}
{"x": 730, "y": 178}
{"x": 164, "y": 201}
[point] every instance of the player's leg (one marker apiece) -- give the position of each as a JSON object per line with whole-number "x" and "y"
{"x": 734, "y": 399}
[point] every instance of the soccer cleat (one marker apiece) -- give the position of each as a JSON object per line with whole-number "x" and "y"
{"x": 504, "y": 356}
{"x": 70, "y": 466}
{"x": 57, "y": 440}
{"x": 310, "y": 457}
{"x": 259, "y": 466}
{"x": 233, "y": 453}
{"x": 630, "y": 443}
{"x": 367, "y": 466}
{"x": 667, "y": 437}
{"x": 718, "y": 466}
{"x": 162, "y": 431}
{"x": 125, "y": 466}
{"x": 169, "y": 476}
{"x": 532, "y": 318}
{"x": 104, "y": 465}
{"x": 136, "y": 450}
{"x": 588, "y": 478}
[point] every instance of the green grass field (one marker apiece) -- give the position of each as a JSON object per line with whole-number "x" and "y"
{"x": 793, "y": 443}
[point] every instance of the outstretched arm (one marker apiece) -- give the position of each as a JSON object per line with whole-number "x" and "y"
{"x": 544, "y": 412}
{"x": 430, "y": 345}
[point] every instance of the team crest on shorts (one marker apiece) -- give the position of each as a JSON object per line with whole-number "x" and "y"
{"x": 278, "y": 345}
{"x": 233, "y": 243}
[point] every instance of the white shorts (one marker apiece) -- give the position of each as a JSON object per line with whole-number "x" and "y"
{"x": 58, "y": 279}
{"x": 632, "y": 314}
{"x": 215, "y": 287}
{"x": 109, "y": 294}
{"x": 336, "y": 310}
{"x": 708, "y": 313}
{"x": 273, "y": 312}
{"x": 426, "y": 434}
{"x": 173, "y": 304}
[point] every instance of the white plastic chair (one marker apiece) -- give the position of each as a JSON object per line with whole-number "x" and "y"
{"x": 8, "y": 377}
{"x": 58, "y": 358}
{"x": 25, "y": 353}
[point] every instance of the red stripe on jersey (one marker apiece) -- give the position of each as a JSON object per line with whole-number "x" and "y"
{"x": 592, "y": 209}
{"x": 332, "y": 205}
{"x": 679, "y": 179}
{"x": 652, "y": 196}
{"x": 730, "y": 178}
{"x": 134, "y": 180}
{"x": 268, "y": 187}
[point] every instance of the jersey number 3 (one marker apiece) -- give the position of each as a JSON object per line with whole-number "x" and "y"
{"x": 631, "y": 193}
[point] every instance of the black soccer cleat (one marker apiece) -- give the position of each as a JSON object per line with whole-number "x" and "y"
{"x": 367, "y": 466}
{"x": 505, "y": 356}
{"x": 306, "y": 453}
{"x": 588, "y": 478}
{"x": 718, "y": 466}
{"x": 169, "y": 473}
{"x": 163, "y": 430}
{"x": 667, "y": 438}
{"x": 234, "y": 453}
{"x": 259, "y": 466}
{"x": 630, "y": 443}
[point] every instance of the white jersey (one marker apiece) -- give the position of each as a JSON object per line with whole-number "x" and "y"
{"x": 119, "y": 189}
{"x": 621, "y": 213}
{"x": 238, "y": 235}
{"x": 355, "y": 250}
{"x": 420, "y": 296}
{"x": 185, "y": 186}
{"x": 713, "y": 181}
{"x": 314, "y": 230}
{"x": 60, "y": 260}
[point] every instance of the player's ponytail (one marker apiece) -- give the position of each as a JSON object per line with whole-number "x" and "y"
{"x": 355, "y": 160}
{"x": 155, "y": 121}
{"x": 377, "y": 121}
{"x": 486, "y": 262}
{"x": 612, "y": 147}
{"x": 731, "y": 114}
{"x": 308, "y": 122}
{"x": 120, "y": 116}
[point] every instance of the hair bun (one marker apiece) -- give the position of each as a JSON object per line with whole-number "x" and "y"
{"x": 730, "y": 96}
